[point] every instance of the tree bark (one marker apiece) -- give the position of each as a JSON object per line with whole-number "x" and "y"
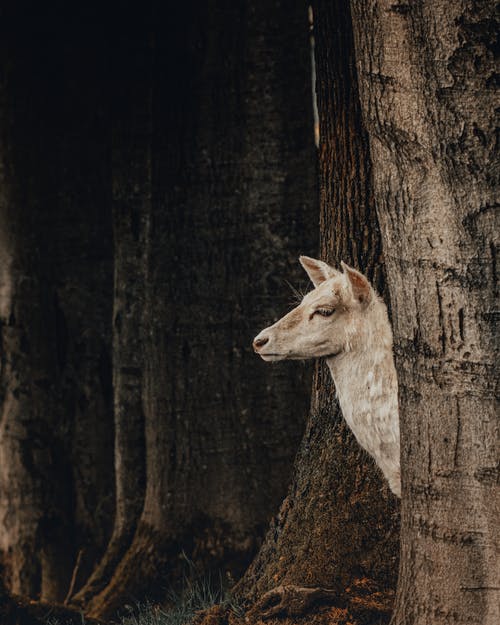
{"x": 131, "y": 131}
{"x": 339, "y": 522}
{"x": 427, "y": 76}
{"x": 56, "y": 440}
{"x": 232, "y": 204}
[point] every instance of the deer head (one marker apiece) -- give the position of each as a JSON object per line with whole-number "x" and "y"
{"x": 330, "y": 320}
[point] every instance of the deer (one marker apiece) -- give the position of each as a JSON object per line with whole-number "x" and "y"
{"x": 346, "y": 322}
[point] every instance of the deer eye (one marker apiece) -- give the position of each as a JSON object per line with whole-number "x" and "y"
{"x": 324, "y": 312}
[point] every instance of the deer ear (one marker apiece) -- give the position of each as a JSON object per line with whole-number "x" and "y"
{"x": 317, "y": 270}
{"x": 361, "y": 288}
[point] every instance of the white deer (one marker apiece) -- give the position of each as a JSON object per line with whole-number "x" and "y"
{"x": 346, "y": 322}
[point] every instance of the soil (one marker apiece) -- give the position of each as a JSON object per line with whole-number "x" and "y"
{"x": 366, "y": 605}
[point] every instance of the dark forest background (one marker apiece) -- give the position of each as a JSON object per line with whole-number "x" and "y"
{"x": 158, "y": 179}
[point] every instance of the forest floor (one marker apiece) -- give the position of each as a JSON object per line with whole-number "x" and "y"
{"x": 364, "y": 605}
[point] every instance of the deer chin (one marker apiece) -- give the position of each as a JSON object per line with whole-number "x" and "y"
{"x": 291, "y": 355}
{"x": 272, "y": 357}
{"x": 286, "y": 356}
{"x": 276, "y": 357}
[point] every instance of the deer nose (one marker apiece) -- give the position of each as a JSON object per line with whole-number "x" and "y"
{"x": 260, "y": 342}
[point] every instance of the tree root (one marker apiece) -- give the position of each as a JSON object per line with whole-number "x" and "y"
{"x": 20, "y": 611}
{"x": 290, "y": 601}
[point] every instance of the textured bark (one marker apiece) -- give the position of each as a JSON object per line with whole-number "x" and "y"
{"x": 29, "y": 415}
{"x": 339, "y": 521}
{"x": 232, "y": 204}
{"x": 130, "y": 107}
{"x": 209, "y": 172}
{"x": 56, "y": 440}
{"x": 427, "y": 75}
{"x": 83, "y": 274}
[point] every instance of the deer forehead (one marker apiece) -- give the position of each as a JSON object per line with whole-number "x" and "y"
{"x": 331, "y": 292}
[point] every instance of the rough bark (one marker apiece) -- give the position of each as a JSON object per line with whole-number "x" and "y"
{"x": 428, "y": 85}
{"x": 130, "y": 107}
{"x": 83, "y": 274}
{"x": 339, "y": 521}
{"x": 55, "y": 272}
{"x": 232, "y": 204}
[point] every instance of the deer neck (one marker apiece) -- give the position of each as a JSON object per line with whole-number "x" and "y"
{"x": 365, "y": 377}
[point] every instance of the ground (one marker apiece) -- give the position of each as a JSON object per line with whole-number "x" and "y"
{"x": 365, "y": 606}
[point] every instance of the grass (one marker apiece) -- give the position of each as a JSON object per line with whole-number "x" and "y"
{"x": 197, "y": 592}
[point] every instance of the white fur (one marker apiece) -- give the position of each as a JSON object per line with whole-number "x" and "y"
{"x": 357, "y": 343}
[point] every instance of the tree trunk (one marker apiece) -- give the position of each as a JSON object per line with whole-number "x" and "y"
{"x": 427, "y": 79}
{"x": 130, "y": 106}
{"x": 56, "y": 440}
{"x": 339, "y": 522}
{"x": 232, "y": 204}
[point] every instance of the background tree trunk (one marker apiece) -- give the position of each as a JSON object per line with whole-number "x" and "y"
{"x": 131, "y": 127}
{"x": 56, "y": 440}
{"x": 339, "y": 522}
{"x": 209, "y": 171}
{"x": 427, "y": 74}
{"x": 222, "y": 198}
